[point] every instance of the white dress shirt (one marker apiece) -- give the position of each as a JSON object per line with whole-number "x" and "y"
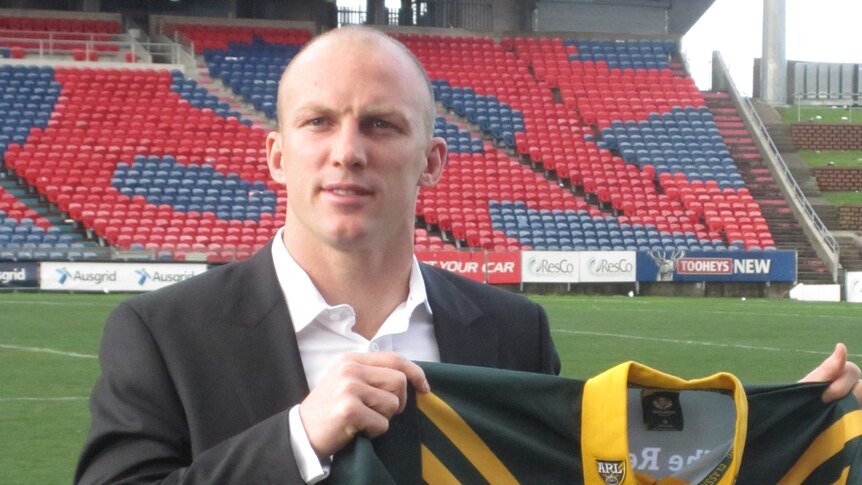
{"x": 324, "y": 332}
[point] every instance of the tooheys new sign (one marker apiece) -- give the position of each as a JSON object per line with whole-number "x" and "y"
{"x": 716, "y": 266}
{"x": 496, "y": 268}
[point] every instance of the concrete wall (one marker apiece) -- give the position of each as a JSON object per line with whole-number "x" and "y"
{"x": 55, "y": 14}
{"x": 850, "y": 217}
{"x": 569, "y": 16}
{"x": 817, "y": 136}
{"x": 839, "y": 179}
{"x": 157, "y": 21}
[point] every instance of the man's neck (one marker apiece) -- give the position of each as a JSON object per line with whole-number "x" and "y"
{"x": 372, "y": 282}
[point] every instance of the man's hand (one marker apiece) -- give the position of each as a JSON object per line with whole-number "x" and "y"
{"x": 358, "y": 394}
{"x": 843, "y": 376}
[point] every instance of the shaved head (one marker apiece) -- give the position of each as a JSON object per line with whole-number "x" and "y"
{"x": 374, "y": 40}
{"x": 354, "y": 146}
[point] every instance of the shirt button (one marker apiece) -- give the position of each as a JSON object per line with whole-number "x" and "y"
{"x": 374, "y": 347}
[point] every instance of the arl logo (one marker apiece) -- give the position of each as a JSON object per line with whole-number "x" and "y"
{"x": 613, "y": 472}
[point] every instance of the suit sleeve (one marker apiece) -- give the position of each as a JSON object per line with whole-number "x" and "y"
{"x": 549, "y": 358}
{"x": 139, "y": 432}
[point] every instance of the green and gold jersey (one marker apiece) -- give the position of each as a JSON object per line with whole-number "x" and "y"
{"x": 631, "y": 425}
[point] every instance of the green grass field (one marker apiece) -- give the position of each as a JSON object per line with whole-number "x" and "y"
{"x": 838, "y": 158}
{"x": 48, "y": 344}
{"x": 826, "y": 114}
{"x": 843, "y": 198}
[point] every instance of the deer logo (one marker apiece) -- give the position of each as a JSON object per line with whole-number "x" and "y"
{"x": 665, "y": 263}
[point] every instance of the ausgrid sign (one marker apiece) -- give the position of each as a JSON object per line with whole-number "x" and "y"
{"x": 19, "y": 275}
{"x": 115, "y": 276}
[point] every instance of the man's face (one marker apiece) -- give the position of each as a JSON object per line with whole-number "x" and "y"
{"x": 353, "y": 147}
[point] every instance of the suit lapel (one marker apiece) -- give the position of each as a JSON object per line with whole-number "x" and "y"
{"x": 260, "y": 307}
{"x": 463, "y": 335}
{"x": 256, "y": 303}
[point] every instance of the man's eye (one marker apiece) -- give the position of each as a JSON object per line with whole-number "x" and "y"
{"x": 317, "y": 122}
{"x": 382, "y": 124}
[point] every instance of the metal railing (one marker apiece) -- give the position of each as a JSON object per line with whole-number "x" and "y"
{"x": 92, "y": 253}
{"x": 476, "y": 15}
{"x": 20, "y": 254}
{"x": 392, "y": 16}
{"x": 830, "y": 250}
{"x": 43, "y": 47}
{"x": 57, "y": 37}
{"x": 127, "y": 50}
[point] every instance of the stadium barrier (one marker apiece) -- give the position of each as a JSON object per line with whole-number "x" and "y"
{"x": 496, "y": 268}
{"x": 499, "y": 268}
{"x": 737, "y": 267}
{"x": 19, "y": 275}
{"x": 107, "y": 277}
{"x": 578, "y": 266}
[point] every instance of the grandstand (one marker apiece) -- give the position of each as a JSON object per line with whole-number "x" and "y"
{"x": 117, "y": 145}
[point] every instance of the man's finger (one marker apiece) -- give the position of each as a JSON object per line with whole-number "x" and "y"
{"x": 415, "y": 374}
{"x": 857, "y": 392}
{"x": 830, "y": 369}
{"x": 847, "y": 383}
{"x": 382, "y": 401}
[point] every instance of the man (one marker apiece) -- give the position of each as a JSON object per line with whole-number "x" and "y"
{"x": 209, "y": 381}
{"x": 258, "y": 372}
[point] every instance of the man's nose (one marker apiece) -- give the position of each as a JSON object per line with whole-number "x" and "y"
{"x": 349, "y": 147}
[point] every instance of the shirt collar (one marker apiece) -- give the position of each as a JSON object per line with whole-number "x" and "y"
{"x": 304, "y": 301}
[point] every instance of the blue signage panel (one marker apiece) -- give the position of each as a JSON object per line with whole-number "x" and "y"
{"x": 19, "y": 275}
{"x": 775, "y": 266}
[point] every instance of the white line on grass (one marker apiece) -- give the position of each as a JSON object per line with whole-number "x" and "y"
{"x": 854, "y": 317}
{"x": 58, "y": 303}
{"x": 48, "y": 351}
{"x": 696, "y": 342}
{"x": 43, "y": 399}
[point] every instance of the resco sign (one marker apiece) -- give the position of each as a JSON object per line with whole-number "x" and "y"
{"x": 608, "y": 266}
{"x": 550, "y": 267}
{"x": 115, "y": 276}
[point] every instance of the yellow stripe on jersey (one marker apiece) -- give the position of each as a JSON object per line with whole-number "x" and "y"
{"x": 842, "y": 480}
{"x": 464, "y": 438}
{"x": 826, "y": 445}
{"x": 434, "y": 472}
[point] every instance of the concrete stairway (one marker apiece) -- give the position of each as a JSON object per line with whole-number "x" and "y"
{"x": 218, "y": 89}
{"x": 43, "y": 208}
{"x": 850, "y": 242}
{"x": 786, "y": 230}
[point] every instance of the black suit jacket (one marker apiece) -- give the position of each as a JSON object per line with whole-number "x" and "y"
{"x": 197, "y": 379}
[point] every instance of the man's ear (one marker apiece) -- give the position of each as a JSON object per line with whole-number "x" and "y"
{"x": 435, "y": 159}
{"x": 274, "y": 157}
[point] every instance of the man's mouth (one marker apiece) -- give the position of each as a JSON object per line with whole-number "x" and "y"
{"x": 347, "y": 190}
